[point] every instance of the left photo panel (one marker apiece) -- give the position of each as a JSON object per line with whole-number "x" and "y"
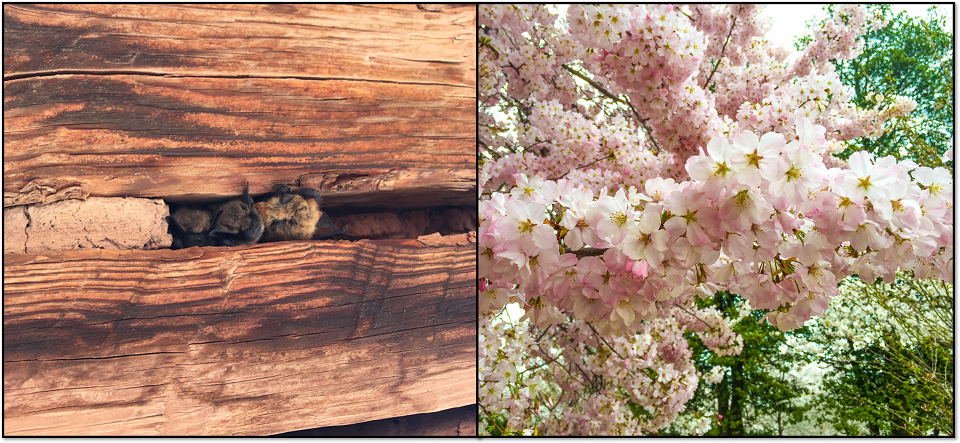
{"x": 239, "y": 220}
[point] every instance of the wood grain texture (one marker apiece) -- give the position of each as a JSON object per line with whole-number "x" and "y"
{"x": 250, "y": 340}
{"x": 372, "y": 104}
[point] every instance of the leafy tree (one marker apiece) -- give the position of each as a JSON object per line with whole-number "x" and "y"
{"x": 755, "y": 381}
{"x": 899, "y": 379}
{"x": 902, "y": 383}
{"x": 887, "y": 388}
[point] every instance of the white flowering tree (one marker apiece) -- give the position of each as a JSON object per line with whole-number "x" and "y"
{"x": 637, "y": 159}
{"x": 888, "y": 350}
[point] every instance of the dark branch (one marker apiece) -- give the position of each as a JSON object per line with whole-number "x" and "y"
{"x": 585, "y": 252}
{"x": 584, "y": 166}
{"x": 642, "y": 121}
{"x": 597, "y": 334}
{"x": 722, "y": 50}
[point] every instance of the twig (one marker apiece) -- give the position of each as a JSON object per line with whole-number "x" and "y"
{"x": 698, "y": 318}
{"x": 572, "y": 377}
{"x": 597, "y": 334}
{"x": 722, "y": 50}
{"x": 543, "y": 332}
{"x": 649, "y": 132}
{"x": 594, "y": 84}
{"x": 583, "y": 166}
{"x": 642, "y": 121}
{"x": 585, "y": 252}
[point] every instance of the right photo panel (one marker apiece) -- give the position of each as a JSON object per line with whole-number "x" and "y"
{"x": 715, "y": 220}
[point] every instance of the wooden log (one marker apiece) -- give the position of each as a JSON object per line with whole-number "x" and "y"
{"x": 373, "y": 105}
{"x": 250, "y": 340}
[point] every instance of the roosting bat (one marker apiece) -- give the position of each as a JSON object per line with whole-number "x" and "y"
{"x": 238, "y": 224}
{"x": 278, "y": 216}
{"x": 191, "y": 225}
{"x": 294, "y": 216}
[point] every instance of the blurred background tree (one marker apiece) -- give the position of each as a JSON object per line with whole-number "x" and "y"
{"x": 757, "y": 395}
{"x": 895, "y": 374}
{"x": 891, "y": 360}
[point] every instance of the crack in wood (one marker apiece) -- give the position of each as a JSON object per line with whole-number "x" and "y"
{"x": 91, "y": 358}
{"x": 286, "y": 336}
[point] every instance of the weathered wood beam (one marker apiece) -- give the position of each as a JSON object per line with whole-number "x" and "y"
{"x": 373, "y": 105}
{"x": 384, "y": 43}
{"x": 250, "y": 340}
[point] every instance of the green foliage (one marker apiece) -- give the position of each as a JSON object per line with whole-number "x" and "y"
{"x": 909, "y": 57}
{"x": 496, "y": 425}
{"x": 886, "y": 392}
{"x": 902, "y": 383}
{"x": 887, "y": 388}
{"x": 749, "y": 388}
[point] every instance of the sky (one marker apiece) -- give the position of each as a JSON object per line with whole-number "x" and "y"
{"x": 789, "y": 20}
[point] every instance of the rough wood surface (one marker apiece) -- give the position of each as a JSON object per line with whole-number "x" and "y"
{"x": 252, "y": 340}
{"x": 373, "y": 105}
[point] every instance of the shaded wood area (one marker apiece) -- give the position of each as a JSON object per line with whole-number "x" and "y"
{"x": 458, "y": 422}
{"x": 372, "y": 105}
{"x": 250, "y": 340}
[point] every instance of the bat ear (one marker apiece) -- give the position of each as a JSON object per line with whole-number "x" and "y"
{"x": 246, "y": 196}
{"x": 173, "y": 224}
{"x": 311, "y": 193}
{"x": 252, "y": 234}
{"x": 220, "y": 233}
{"x": 213, "y": 221}
{"x": 286, "y": 198}
{"x": 325, "y": 221}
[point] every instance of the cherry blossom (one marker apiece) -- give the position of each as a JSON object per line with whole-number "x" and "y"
{"x": 637, "y": 158}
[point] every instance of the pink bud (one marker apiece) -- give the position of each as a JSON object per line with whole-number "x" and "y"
{"x": 482, "y": 283}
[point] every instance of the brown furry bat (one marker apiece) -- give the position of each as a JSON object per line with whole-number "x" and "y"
{"x": 190, "y": 226}
{"x": 288, "y": 216}
{"x": 238, "y": 224}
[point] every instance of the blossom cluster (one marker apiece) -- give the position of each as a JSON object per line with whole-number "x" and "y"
{"x": 760, "y": 217}
{"x": 599, "y": 377}
{"x": 689, "y": 74}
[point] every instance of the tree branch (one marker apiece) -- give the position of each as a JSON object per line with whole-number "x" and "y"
{"x": 642, "y": 121}
{"x": 583, "y": 166}
{"x": 585, "y": 252}
{"x": 597, "y": 334}
{"x": 722, "y": 50}
{"x": 593, "y": 83}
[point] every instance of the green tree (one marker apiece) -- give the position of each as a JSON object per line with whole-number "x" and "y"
{"x": 755, "y": 383}
{"x": 902, "y": 383}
